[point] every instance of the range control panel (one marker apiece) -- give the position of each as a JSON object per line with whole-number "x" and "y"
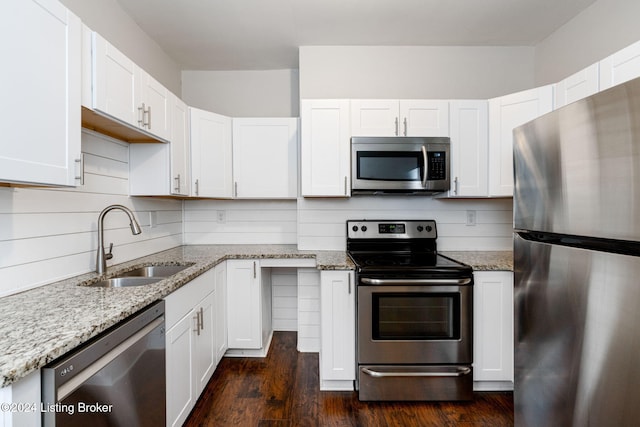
{"x": 392, "y": 229}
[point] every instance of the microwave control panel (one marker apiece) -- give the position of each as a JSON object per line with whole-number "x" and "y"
{"x": 437, "y": 167}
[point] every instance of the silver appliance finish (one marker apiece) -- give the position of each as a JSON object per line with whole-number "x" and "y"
{"x": 101, "y": 256}
{"x": 577, "y": 264}
{"x": 427, "y": 175}
{"x": 118, "y": 379}
{"x": 414, "y": 314}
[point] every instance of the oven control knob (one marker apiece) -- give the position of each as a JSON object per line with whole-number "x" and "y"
{"x": 354, "y": 228}
{"x": 429, "y": 228}
{"x": 364, "y": 228}
{"x": 420, "y": 228}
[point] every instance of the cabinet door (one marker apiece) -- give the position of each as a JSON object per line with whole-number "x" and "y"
{"x": 180, "y": 147}
{"x": 337, "y": 324}
{"x": 205, "y": 352}
{"x": 211, "y": 154}
{"x": 469, "y": 146}
{"x": 325, "y": 148}
{"x": 424, "y": 117}
{"x": 244, "y": 320}
{"x": 620, "y": 67}
{"x": 577, "y": 86}
{"x": 220, "y": 311}
{"x": 375, "y": 117}
{"x": 506, "y": 113}
{"x": 116, "y": 83}
{"x": 265, "y": 158}
{"x": 180, "y": 386}
{"x": 41, "y": 90}
{"x": 493, "y": 326}
{"x": 155, "y": 104}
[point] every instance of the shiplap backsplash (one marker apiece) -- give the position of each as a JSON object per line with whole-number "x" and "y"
{"x": 50, "y": 234}
{"x": 245, "y": 222}
{"x": 322, "y": 222}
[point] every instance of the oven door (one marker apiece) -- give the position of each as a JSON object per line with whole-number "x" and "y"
{"x": 415, "y": 321}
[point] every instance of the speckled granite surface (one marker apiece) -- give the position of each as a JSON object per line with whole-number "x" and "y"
{"x": 42, "y": 324}
{"x": 484, "y": 260}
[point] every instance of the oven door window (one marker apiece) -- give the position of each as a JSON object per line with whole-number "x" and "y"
{"x": 390, "y": 165}
{"x": 416, "y": 316}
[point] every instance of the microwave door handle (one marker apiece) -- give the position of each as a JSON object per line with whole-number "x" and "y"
{"x": 425, "y": 171}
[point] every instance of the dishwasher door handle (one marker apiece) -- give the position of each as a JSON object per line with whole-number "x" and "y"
{"x": 457, "y": 373}
{"x": 435, "y": 282}
{"x": 68, "y": 387}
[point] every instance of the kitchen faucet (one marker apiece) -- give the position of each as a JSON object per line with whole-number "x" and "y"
{"x": 101, "y": 258}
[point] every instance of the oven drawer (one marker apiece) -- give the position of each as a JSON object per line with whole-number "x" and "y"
{"x": 395, "y": 383}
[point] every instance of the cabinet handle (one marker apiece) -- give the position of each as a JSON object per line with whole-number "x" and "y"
{"x": 201, "y": 314}
{"x": 197, "y": 319}
{"x": 80, "y": 169}
{"x": 147, "y": 113}
{"x": 235, "y": 186}
{"x": 455, "y": 186}
{"x": 141, "y": 112}
{"x": 397, "y": 127}
{"x": 405, "y": 126}
{"x": 177, "y": 181}
{"x": 345, "y": 185}
{"x": 197, "y": 187}
{"x": 254, "y": 269}
{"x": 349, "y": 281}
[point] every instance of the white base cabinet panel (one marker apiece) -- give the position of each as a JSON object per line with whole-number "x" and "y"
{"x": 493, "y": 330}
{"x": 190, "y": 344}
{"x": 338, "y": 330}
{"x": 249, "y": 328}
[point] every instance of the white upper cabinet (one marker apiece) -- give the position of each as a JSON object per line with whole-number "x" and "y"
{"x": 620, "y": 67}
{"x": 505, "y": 114}
{"x": 469, "y": 121}
{"x": 41, "y": 90}
{"x": 577, "y": 86}
{"x": 325, "y": 147}
{"x": 127, "y": 94}
{"x": 392, "y": 117}
{"x": 265, "y": 158}
{"x": 163, "y": 169}
{"x": 211, "y": 154}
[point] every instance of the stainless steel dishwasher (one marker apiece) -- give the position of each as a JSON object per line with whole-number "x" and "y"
{"x": 117, "y": 379}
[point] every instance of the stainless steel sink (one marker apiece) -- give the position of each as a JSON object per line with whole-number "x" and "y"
{"x": 124, "y": 282}
{"x": 155, "y": 271}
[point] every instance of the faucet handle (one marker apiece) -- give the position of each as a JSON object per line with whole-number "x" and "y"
{"x": 109, "y": 255}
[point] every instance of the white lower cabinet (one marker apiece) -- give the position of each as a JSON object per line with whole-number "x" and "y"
{"x": 190, "y": 344}
{"x": 337, "y": 330}
{"x": 493, "y": 330}
{"x": 249, "y": 321}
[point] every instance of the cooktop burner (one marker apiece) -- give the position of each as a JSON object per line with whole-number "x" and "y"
{"x": 398, "y": 247}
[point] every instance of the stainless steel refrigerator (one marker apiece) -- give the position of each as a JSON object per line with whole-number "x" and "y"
{"x": 577, "y": 264}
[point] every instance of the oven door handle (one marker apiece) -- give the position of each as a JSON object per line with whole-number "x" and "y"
{"x": 377, "y": 374}
{"x": 369, "y": 281}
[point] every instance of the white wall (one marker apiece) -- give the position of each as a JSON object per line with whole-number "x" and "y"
{"x": 109, "y": 19}
{"x": 267, "y": 93}
{"x": 427, "y": 72}
{"x": 602, "y": 29}
{"x": 322, "y": 222}
{"x": 51, "y": 234}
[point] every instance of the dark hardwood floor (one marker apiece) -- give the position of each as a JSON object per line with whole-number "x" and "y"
{"x": 282, "y": 390}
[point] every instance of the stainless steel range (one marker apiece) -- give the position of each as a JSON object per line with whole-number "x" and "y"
{"x": 414, "y": 313}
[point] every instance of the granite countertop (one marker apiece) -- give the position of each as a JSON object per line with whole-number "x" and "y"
{"x": 44, "y": 323}
{"x": 484, "y": 260}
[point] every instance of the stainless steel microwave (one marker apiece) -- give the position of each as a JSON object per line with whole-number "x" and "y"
{"x": 399, "y": 165}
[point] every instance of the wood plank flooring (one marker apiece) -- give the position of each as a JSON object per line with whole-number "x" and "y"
{"x": 282, "y": 390}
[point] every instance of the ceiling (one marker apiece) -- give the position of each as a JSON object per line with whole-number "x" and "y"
{"x": 266, "y": 34}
